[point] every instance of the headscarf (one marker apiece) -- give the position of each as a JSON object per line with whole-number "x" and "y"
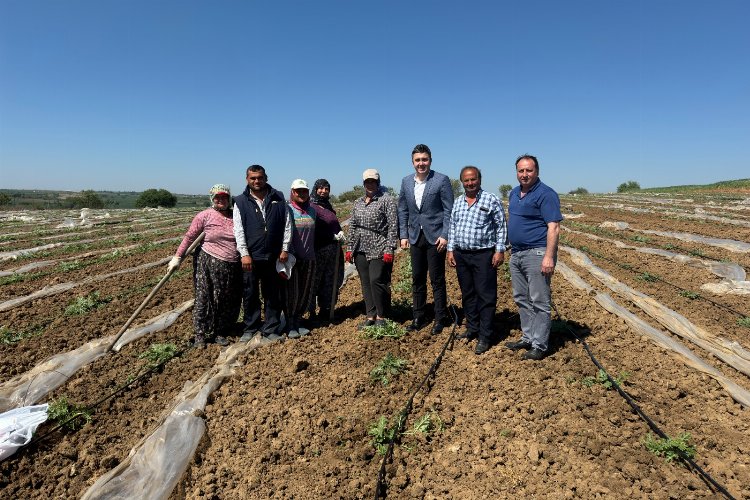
{"x": 220, "y": 189}
{"x": 321, "y": 201}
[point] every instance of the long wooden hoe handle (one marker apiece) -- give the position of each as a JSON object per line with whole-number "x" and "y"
{"x": 190, "y": 250}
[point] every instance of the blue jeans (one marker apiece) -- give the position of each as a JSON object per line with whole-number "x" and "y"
{"x": 531, "y": 292}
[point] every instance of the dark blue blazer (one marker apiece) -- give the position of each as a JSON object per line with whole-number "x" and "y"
{"x": 433, "y": 217}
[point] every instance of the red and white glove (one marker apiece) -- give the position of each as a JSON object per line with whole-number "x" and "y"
{"x": 388, "y": 258}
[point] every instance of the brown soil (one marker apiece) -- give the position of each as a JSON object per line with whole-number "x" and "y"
{"x": 293, "y": 422}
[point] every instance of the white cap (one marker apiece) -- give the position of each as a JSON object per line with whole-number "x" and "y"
{"x": 299, "y": 184}
{"x": 370, "y": 173}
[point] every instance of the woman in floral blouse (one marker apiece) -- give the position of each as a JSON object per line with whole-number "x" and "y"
{"x": 373, "y": 237}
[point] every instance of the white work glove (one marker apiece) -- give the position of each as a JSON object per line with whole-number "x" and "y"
{"x": 174, "y": 263}
{"x": 340, "y": 237}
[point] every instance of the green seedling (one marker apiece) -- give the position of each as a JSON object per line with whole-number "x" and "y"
{"x": 382, "y": 434}
{"x": 68, "y": 415}
{"x": 601, "y": 378}
{"x": 390, "y": 330}
{"x": 505, "y": 270}
{"x": 690, "y": 295}
{"x": 402, "y": 286}
{"x": 8, "y": 336}
{"x": 84, "y": 305}
{"x": 697, "y": 253}
{"x": 744, "y": 321}
{"x": 670, "y": 448}
{"x": 427, "y": 424}
{"x": 641, "y": 239}
{"x": 388, "y": 367}
{"x": 158, "y": 354}
{"x": 648, "y": 277}
{"x": 65, "y": 267}
{"x": 626, "y": 266}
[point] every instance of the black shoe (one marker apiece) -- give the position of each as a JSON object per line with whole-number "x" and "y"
{"x": 367, "y": 322}
{"x": 221, "y": 341}
{"x": 416, "y": 325}
{"x": 516, "y": 346}
{"x": 534, "y": 354}
{"x": 482, "y": 347}
{"x": 439, "y": 325}
{"x": 467, "y": 336}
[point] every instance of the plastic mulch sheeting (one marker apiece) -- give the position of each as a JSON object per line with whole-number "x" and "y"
{"x": 156, "y": 464}
{"x": 728, "y": 270}
{"x": 32, "y": 386}
{"x": 730, "y": 352}
{"x": 731, "y": 245}
{"x": 62, "y": 287}
{"x": 682, "y": 352}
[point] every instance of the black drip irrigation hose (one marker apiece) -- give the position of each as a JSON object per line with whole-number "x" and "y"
{"x": 90, "y": 408}
{"x": 659, "y": 278}
{"x": 637, "y": 409}
{"x": 381, "y": 486}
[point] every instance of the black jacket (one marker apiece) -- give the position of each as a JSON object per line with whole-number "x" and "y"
{"x": 263, "y": 237}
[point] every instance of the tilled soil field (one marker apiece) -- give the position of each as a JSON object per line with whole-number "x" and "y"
{"x": 293, "y": 419}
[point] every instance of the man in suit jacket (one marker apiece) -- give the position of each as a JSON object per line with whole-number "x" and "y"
{"x": 424, "y": 212}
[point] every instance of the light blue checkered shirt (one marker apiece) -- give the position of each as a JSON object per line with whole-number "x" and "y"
{"x": 479, "y": 226}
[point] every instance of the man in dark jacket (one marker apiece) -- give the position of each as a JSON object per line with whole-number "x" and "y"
{"x": 263, "y": 233}
{"x": 424, "y": 214}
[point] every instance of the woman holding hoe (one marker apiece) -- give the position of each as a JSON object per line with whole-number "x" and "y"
{"x": 218, "y": 273}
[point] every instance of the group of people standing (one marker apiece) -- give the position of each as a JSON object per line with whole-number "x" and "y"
{"x": 286, "y": 254}
{"x": 470, "y": 233}
{"x": 290, "y": 253}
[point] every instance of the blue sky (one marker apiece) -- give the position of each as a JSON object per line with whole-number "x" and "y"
{"x": 128, "y": 95}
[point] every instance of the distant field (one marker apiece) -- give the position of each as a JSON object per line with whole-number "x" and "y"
{"x": 739, "y": 186}
{"x": 47, "y": 199}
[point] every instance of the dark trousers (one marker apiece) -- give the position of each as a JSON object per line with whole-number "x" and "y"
{"x": 424, "y": 258}
{"x": 478, "y": 282}
{"x": 262, "y": 279}
{"x": 375, "y": 277}
{"x": 217, "y": 294}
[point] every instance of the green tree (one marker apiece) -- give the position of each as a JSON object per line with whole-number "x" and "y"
{"x": 505, "y": 189}
{"x": 628, "y": 186}
{"x": 5, "y": 199}
{"x": 87, "y": 199}
{"x": 457, "y": 188}
{"x": 353, "y": 194}
{"x": 156, "y": 198}
{"x": 580, "y": 190}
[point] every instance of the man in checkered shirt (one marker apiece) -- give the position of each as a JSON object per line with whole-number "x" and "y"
{"x": 476, "y": 247}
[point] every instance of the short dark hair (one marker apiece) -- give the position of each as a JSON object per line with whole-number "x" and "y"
{"x": 256, "y": 168}
{"x": 528, "y": 157}
{"x": 421, "y": 148}
{"x": 470, "y": 167}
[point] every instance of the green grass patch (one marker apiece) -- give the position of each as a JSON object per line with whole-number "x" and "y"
{"x": 670, "y": 448}
{"x": 744, "y": 321}
{"x": 388, "y": 367}
{"x": 690, "y": 295}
